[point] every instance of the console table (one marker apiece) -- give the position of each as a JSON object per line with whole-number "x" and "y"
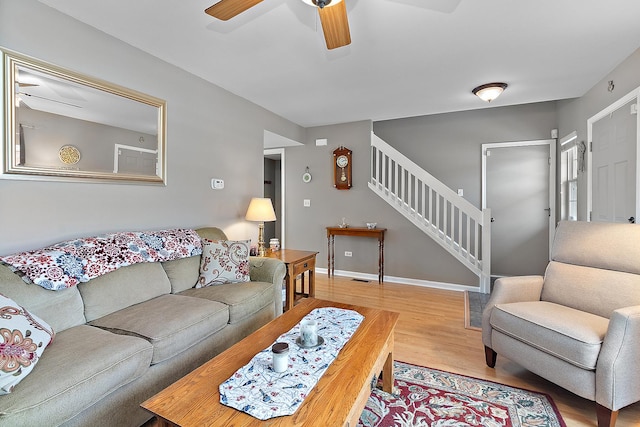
{"x": 377, "y": 233}
{"x": 297, "y": 263}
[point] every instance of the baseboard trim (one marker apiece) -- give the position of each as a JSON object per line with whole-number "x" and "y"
{"x": 403, "y": 280}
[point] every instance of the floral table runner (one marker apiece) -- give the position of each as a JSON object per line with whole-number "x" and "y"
{"x": 262, "y": 393}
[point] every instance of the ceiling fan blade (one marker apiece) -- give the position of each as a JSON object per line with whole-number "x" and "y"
{"x": 335, "y": 25}
{"x": 227, "y": 9}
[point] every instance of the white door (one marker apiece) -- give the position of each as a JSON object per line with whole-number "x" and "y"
{"x": 137, "y": 162}
{"x": 519, "y": 192}
{"x": 614, "y": 166}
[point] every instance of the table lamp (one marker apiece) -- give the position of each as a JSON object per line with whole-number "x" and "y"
{"x": 260, "y": 210}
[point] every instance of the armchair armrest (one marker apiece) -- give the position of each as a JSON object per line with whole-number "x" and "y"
{"x": 269, "y": 270}
{"x": 506, "y": 290}
{"x": 617, "y": 375}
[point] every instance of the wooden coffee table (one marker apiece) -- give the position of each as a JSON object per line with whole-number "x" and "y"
{"x": 337, "y": 399}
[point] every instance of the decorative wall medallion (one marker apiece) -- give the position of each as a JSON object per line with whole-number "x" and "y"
{"x": 69, "y": 154}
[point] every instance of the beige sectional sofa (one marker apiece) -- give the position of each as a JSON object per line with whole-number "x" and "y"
{"x": 124, "y": 336}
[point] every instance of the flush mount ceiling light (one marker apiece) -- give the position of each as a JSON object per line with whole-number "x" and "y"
{"x": 321, "y": 3}
{"x": 490, "y": 91}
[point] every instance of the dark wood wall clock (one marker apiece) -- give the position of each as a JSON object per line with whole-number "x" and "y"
{"x": 342, "y": 179}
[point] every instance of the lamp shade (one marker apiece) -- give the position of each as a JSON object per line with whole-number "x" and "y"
{"x": 490, "y": 91}
{"x": 260, "y": 210}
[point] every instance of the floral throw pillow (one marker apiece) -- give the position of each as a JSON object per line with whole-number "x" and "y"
{"x": 224, "y": 261}
{"x": 23, "y": 338}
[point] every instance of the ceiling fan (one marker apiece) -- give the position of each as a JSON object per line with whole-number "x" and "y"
{"x": 333, "y": 16}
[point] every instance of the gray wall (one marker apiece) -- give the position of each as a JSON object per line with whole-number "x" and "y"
{"x": 210, "y": 133}
{"x": 446, "y": 145}
{"x": 573, "y": 113}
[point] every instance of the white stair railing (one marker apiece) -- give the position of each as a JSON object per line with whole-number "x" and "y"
{"x": 457, "y": 225}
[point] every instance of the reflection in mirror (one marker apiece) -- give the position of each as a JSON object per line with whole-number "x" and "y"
{"x": 61, "y": 124}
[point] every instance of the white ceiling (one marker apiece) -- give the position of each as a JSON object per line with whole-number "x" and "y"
{"x": 407, "y": 57}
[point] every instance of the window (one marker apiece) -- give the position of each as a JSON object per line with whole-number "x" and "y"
{"x": 569, "y": 178}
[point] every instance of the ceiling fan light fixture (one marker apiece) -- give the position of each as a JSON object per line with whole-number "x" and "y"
{"x": 490, "y": 91}
{"x": 321, "y": 3}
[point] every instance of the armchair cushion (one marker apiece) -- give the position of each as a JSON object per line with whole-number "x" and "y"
{"x": 600, "y": 291}
{"x": 568, "y": 334}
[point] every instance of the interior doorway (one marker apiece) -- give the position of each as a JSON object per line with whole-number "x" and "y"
{"x": 613, "y": 155}
{"x": 274, "y": 150}
{"x": 274, "y": 189}
{"x": 518, "y": 185}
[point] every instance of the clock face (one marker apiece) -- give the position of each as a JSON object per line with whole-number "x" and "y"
{"x": 342, "y": 161}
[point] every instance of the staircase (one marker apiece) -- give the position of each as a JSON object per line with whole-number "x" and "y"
{"x": 458, "y": 226}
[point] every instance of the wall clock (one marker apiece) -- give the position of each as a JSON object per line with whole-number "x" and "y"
{"x": 342, "y": 179}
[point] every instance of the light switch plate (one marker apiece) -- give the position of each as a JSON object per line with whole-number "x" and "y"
{"x": 306, "y": 203}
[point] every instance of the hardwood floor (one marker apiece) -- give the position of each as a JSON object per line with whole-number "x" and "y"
{"x": 431, "y": 332}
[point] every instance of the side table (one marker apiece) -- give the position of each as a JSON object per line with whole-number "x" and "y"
{"x": 297, "y": 262}
{"x": 377, "y": 233}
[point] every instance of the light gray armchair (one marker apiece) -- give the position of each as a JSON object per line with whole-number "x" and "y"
{"x": 579, "y": 325}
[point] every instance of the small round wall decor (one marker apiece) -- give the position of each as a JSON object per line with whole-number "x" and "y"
{"x": 69, "y": 154}
{"x": 306, "y": 176}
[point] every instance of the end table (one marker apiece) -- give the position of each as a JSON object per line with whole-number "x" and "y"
{"x": 297, "y": 263}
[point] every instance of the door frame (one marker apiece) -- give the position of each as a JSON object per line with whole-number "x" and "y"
{"x": 634, "y": 94}
{"x": 279, "y": 152}
{"x": 552, "y": 177}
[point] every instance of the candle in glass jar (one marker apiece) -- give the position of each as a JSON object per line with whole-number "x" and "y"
{"x": 280, "y": 352}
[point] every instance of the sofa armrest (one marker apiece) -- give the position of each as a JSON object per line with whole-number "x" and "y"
{"x": 269, "y": 270}
{"x": 617, "y": 375}
{"x": 506, "y": 290}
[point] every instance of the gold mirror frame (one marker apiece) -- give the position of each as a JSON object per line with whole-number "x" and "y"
{"x": 62, "y": 125}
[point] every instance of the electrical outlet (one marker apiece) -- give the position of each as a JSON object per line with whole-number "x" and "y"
{"x": 306, "y": 203}
{"x": 348, "y": 253}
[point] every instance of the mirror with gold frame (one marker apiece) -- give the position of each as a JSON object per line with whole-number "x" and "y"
{"x": 62, "y": 125}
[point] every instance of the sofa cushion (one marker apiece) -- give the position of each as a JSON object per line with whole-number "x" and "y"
{"x": 23, "y": 339}
{"x": 571, "y": 335}
{"x": 171, "y": 323}
{"x": 224, "y": 261}
{"x": 182, "y": 273}
{"x": 243, "y": 299}
{"x": 123, "y": 288}
{"x": 211, "y": 233}
{"x": 80, "y": 367}
{"x": 60, "y": 309}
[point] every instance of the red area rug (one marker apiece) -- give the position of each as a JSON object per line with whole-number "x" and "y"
{"x": 428, "y": 397}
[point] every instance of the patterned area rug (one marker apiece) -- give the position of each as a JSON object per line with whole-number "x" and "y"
{"x": 428, "y": 397}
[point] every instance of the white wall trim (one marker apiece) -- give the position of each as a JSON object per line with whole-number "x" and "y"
{"x": 634, "y": 94}
{"x": 569, "y": 140}
{"x": 402, "y": 280}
